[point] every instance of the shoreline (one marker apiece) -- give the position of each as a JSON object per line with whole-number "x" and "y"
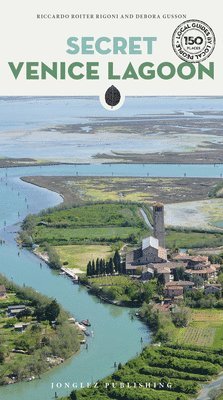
{"x": 19, "y": 163}
{"x": 52, "y": 360}
{"x": 118, "y": 159}
{"x": 88, "y": 287}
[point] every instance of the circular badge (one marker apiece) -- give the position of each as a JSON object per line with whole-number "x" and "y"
{"x": 193, "y": 41}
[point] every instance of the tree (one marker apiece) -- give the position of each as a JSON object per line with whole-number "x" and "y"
{"x": 161, "y": 279}
{"x": 110, "y": 266}
{"x": 117, "y": 261}
{"x": 103, "y": 267}
{"x": 26, "y": 239}
{"x": 97, "y": 267}
{"x": 2, "y": 357}
{"x": 52, "y": 311}
{"x": 89, "y": 269}
{"x": 54, "y": 259}
{"x": 29, "y": 223}
{"x": 40, "y": 313}
{"x": 162, "y": 336}
{"x": 180, "y": 317}
{"x": 24, "y": 313}
{"x": 101, "y": 271}
{"x": 179, "y": 274}
{"x": 93, "y": 269}
{"x": 132, "y": 238}
{"x": 198, "y": 281}
{"x": 73, "y": 395}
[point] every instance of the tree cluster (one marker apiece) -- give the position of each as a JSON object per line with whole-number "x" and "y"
{"x": 48, "y": 312}
{"x": 103, "y": 267}
{"x": 54, "y": 259}
{"x": 180, "y": 316}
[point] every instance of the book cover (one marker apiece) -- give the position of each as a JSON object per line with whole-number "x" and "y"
{"x": 111, "y": 241}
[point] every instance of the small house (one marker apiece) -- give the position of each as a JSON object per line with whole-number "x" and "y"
{"x": 174, "y": 291}
{"x": 212, "y": 288}
{"x": 20, "y": 327}
{"x": 15, "y": 310}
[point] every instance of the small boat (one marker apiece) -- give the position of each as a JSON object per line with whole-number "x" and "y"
{"x": 87, "y": 333}
{"x": 86, "y": 322}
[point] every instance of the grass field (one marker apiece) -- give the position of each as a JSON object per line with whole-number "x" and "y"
{"x": 78, "y": 256}
{"x": 59, "y": 236}
{"x": 111, "y": 281}
{"x": 96, "y": 223}
{"x": 205, "y": 329}
{"x": 189, "y": 239}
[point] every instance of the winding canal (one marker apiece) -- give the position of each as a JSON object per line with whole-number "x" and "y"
{"x": 116, "y": 336}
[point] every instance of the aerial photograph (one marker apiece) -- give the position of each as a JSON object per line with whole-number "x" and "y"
{"x": 111, "y": 248}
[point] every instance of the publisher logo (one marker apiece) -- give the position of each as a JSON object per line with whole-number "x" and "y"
{"x": 193, "y": 41}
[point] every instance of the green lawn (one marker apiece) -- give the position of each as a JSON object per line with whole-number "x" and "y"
{"x": 92, "y": 223}
{"x": 77, "y": 256}
{"x": 111, "y": 280}
{"x": 60, "y": 236}
{"x": 190, "y": 239}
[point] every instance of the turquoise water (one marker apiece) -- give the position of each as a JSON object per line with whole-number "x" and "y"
{"x": 38, "y": 112}
{"x": 141, "y": 170}
{"x": 116, "y": 336}
{"x": 77, "y": 129}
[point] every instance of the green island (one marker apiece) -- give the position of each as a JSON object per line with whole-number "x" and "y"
{"x": 36, "y": 334}
{"x": 178, "y": 295}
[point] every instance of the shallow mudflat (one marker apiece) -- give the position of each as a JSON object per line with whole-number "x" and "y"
{"x": 168, "y": 190}
{"x": 203, "y": 214}
{"x": 144, "y": 130}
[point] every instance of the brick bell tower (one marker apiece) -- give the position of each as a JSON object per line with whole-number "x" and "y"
{"x": 158, "y": 223}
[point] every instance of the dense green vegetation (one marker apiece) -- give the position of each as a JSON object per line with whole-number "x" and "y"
{"x": 173, "y": 374}
{"x": 104, "y": 222}
{"x": 103, "y": 267}
{"x": 121, "y": 289}
{"x": 47, "y": 339}
{"x": 198, "y": 299}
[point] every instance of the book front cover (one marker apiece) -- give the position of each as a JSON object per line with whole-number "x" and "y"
{"x": 111, "y": 240}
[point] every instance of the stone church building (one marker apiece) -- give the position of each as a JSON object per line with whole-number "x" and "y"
{"x": 152, "y": 249}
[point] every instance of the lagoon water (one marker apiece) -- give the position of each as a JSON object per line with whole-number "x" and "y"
{"x": 39, "y": 112}
{"x": 116, "y": 336}
{"x": 76, "y": 129}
